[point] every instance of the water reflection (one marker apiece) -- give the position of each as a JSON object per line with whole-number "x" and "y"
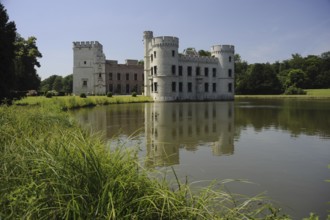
{"x": 172, "y": 126}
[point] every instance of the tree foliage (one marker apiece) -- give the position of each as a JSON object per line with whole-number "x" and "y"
{"x": 57, "y": 83}
{"x": 18, "y": 59}
{"x": 310, "y": 72}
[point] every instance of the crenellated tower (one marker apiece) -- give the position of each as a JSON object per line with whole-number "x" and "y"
{"x": 225, "y": 55}
{"x": 88, "y": 68}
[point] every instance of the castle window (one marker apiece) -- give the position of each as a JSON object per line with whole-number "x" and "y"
{"x": 155, "y": 54}
{"x": 135, "y": 76}
{"x": 100, "y": 75}
{"x": 180, "y": 70}
{"x": 214, "y": 72}
{"x": 118, "y": 88}
{"x": 230, "y": 87}
{"x": 85, "y": 62}
{"x": 118, "y": 76}
{"x": 214, "y": 87}
{"x": 155, "y": 86}
{"x": 152, "y": 71}
{"x": 127, "y": 76}
{"x": 110, "y": 88}
{"x": 229, "y": 73}
{"x": 173, "y": 53}
{"x": 180, "y": 86}
{"x": 229, "y": 58}
{"x": 198, "y": 70}
{"x": 189, "y": 87}
{"x": 110, "y": 76}
{"x": 173, "y": 86}
{"x": 173, "y": 69}
{"x": 84, "y": 83}
{"x": 189, "y": 70}
{"x": 206, "y": 87}
{"x": 206, "y": 71}
{"x": 155, "y": 70}
{"x": 152, "y": 58}
{"x": 127, "y": 88}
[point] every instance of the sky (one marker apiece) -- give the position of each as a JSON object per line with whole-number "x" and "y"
{"x": 261, "y": 30}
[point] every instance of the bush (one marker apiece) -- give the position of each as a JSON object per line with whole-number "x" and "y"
{"x": 109, "y": 94}
{"x": 49, "y": 94}
{"x": 83, "y": 95}
{"x": 293, "y": 90}
{"x": 134, "y": 94}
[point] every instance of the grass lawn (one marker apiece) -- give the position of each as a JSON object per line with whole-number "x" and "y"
{"x": 311, "y": 94}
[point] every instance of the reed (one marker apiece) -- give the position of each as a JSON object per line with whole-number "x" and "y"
{"x": 50, "y": 168}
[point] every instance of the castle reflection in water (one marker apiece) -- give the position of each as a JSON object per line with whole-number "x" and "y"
{"x": 168, "y": 128}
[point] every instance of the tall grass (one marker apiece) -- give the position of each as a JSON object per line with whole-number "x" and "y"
{"x": 52, "y": 169}
{"x": 71, "y": 102}
{"x": 311, "y": 94}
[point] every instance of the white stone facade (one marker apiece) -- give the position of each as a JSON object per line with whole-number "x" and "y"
{"x": 94, "y": 75}
{"x": 170, "y": 76}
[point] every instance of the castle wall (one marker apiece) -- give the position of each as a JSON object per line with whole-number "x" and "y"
{"x": 94, "y": 75}
{"x": 171, "y": 76}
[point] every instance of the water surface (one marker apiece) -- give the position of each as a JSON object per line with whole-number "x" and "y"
{"x": 282, "y": 146}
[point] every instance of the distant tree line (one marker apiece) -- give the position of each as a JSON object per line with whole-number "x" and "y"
{"x": 18, "y": 60}
{"x": 289, "y": 76}
{"x": 57, "y": 85}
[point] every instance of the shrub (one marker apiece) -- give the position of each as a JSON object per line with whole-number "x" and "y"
{"x": 109, "y": 94}
{"x": 49, "y": 94}
{"x": 293, "y": 90}
{"x": 134, "y": 94}
{"x": 83, "y": 95}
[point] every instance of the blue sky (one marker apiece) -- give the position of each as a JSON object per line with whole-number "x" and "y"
{"x": 261, "y": 30}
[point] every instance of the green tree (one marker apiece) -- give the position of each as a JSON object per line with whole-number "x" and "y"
{"x": 57, "y": 85}
{"x": 47, "y": 84}
{"x": 296, "y": 77}
{"x": 68, "y": 84}
{"x": 204, "y": 53}
{"x": 7, "y": 54}
{"x": 26, "y": 60}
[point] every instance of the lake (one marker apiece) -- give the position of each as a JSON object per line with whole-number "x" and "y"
{"x": 282, "y": 146}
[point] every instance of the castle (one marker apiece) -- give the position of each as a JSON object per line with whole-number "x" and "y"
{"x": 171, "y": 76}
{"x": 94, "y": 75}
{"x": 165, "y": 76}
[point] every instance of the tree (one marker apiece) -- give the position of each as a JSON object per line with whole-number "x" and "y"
{"x": 57, "y": 85}
{"x": 296, "y": 77}
{"x": 68, "y": 84}
{"x": 47, "y": 84}
{"x": 7, "y": 54}
{"x": 204, "y": 53}
{"x": 26, "y": 57}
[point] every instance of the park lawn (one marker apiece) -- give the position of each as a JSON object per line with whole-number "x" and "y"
{"x": 72, "y": 102}
{"x": 311, "y": 94}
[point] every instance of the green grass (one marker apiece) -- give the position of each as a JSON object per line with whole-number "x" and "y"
{"x": 50, "y": 168}
{"x": 71, "y": 102}
{"x": 311, "y": 94}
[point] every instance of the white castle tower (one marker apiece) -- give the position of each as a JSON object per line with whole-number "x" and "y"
{"x": 88, "y": 68}
{"x": 172, "y": 76}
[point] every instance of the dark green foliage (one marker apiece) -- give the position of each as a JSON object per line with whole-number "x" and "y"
{"x": 18, "y": 60}
{"x": 293, "y": 90}
{"x": 204, "y": 53}
{"x": 57, "y": 83}
{"x": 49, "y": 94}
{"x": 83, "y": 95}
{"x": 134, "y": 94}
{"x": 311, "y": 72}
{"x": 7, "y": 55}
{"x": 109, "y": 94}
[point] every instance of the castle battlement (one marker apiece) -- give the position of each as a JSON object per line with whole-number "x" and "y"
{"x": 165, "y": 41}
{"x": 222, "y": 49}
{"x": 200, "y": 59}
{"x": 81, "y": 44}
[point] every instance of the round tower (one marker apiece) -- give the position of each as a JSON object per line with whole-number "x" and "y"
{"x": 147, "y": 38}
{"x": 165, "y": 58}
{"x": 225, "y": 55}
